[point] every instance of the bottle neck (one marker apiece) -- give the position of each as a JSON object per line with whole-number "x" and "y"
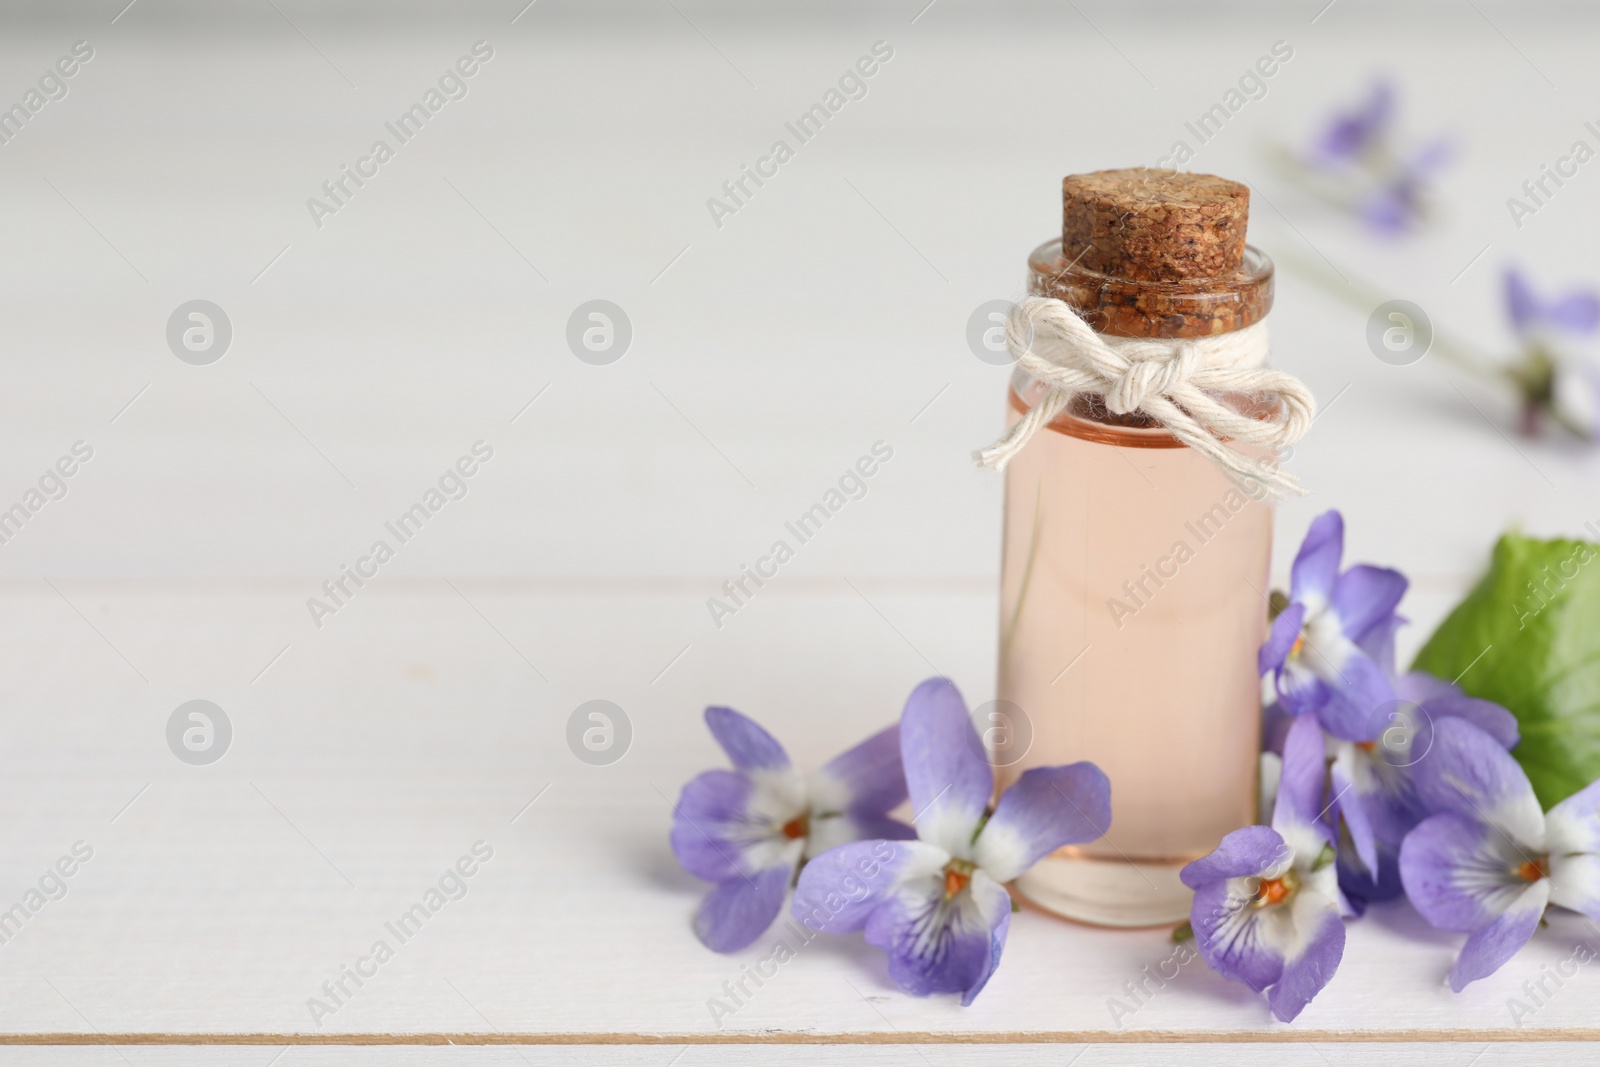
{"x": 1119, "y": 307}
{"x": 1124, "y": 308}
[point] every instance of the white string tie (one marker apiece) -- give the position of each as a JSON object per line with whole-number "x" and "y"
{"x": 1175, "y": 381}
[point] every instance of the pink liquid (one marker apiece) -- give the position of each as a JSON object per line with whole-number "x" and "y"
{"x": 1154, "y": 680}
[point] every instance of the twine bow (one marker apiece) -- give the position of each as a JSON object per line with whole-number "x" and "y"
{"x": 1174, "y": 381}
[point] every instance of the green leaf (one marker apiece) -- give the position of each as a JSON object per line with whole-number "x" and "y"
{"x": 1528, "y": 638}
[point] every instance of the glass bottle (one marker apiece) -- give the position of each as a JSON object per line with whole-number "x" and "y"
{"x": 1133, "y": 599}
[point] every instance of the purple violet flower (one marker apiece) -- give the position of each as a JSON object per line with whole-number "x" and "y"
{"x": 1351, "y": 135}
{"x": 1267, "y": 908}
{"x": 1386, "y": 187}
{"x": 1490, "y": 862}
{"x": 1401, "y": 197}
{"x": 1375, "y": 802}
{"x": 1576, "y": 312}
{"x": 1327, "y": 647}
{"x": 1364, "y": 886}
{"x": 1566, "y": 389}
{"x": 1375, "y": 795}
{"x": 938, "y": 905}
{"x": 748, "y": 829}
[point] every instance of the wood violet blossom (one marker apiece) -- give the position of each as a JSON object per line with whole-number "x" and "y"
{"x": 1490, "y": 861}
{"x": 1267, "y": 907}
{"x": 938, "y": 905}
{"x": 1564, "y": 389}
{"x": 1358, "y": 162}
{"x": 748, "y": 829}
{"x": 1373, "y": 781}
{"x": 1323, "y": 650}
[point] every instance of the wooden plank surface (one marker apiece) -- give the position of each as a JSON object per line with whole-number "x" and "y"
{"x": 220, "y": 898}
{"x": 1247, "y": 1055}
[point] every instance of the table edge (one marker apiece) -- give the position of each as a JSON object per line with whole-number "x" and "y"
{"x": 803, "y": 1037}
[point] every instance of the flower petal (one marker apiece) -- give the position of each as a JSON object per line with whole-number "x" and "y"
{"x": 1044, "y": 809}
{"x": 1572, "y": 834}
{"x": 947, "y": 777}
{"x": 1521, "y": 305}
{"x": 1467, "y": 771}
{"x": 1577, "y": 312}
{"x": 999, "y": 926}
{"x": 942, "y": 945}
{"x": 1486, "y": 715}
{"x": 709, "y": 824}
{"x": 1365, "y": 596}
{"x": 1390, "y": 210}
{"x": 839, "y": 889}
{"x": 1574, "y": 824}
{"x": 1302, "y": 789}
{"x": 1237, "y": 939}
{"x": 1350, "y": 133}
{"x": 1311, "y": 958}
{"x": 1275, "y": 723}
{"x": 1459, "y": 873}
{"x": 1381, "y": 783}
{"x": 1362, "y": 885}
{"x": 1351, "y": 807}
{"x": 1431, "y": 157}
{"x": 748, "y": 746}
{"x": 866, "y": 779}
{"x": 1439, "y": 699}
{"x": 1575, "y": 882}
{"x": 1300, "y": 691}
{"x": 1320, "y": 875}
{"x": 1247, "y": 852}
{"x": 1419, "y": 687}
{"x": 1285, "y": 631}
{"x": 739, "y": 911}
{"x": 1488, "y": 949}
{"x": 1316, "y": 565}
{"x": 1378, "y": 642}
{"x": 729, "y": 824}
{"x": 832, "y": 831}
{"x": 1358, "y": 691}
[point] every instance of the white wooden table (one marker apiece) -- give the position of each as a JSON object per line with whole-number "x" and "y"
{"x": 430, "y": 712}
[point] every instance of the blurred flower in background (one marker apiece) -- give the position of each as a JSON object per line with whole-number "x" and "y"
{"x": 1548, "y": 382}
{"x": 1553, "y": 386}
{"x": 1360, "y": 165}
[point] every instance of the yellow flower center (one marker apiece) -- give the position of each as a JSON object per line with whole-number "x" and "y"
{"x": 1273, "y": 891}
{"x": 1531, "y": 871}
{"x": 957, "y": 876}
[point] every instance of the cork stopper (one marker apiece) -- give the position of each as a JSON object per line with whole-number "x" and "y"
{"x": 1148, "y": 225}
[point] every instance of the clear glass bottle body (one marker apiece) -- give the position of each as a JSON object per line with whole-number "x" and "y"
{"x": 1133, "y": 600}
